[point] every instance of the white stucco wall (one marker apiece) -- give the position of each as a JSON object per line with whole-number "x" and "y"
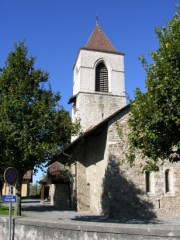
{"x": 84, "y": 71}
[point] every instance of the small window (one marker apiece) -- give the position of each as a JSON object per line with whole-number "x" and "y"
{"x": 167, "y": 181}
{"x": 101, "y": 78}
{"x": 148, "y": 182}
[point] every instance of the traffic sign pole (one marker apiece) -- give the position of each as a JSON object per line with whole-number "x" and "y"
{"x": 10, "y": 213}
{"x": 10, "y": 177}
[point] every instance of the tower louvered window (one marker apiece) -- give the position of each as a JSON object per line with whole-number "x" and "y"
{"x": 101, "y": 78}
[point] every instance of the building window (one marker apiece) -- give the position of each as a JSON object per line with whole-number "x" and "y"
{"x": 101, "y": 78}
{"x": 148, "y": 182}
{"x": 167, "y": 181}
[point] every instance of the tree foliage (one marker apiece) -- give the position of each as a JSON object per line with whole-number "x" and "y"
{"x": 155, "y": 115}
{"x": 33, "y": 126}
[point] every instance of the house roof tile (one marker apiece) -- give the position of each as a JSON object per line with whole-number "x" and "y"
{"x": 28, "y": 175}
{"x": 98, "y": 41}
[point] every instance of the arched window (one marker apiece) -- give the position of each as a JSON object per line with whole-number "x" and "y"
{"x": 148, "y": 182}
{"x": 101, "y": 78}
{"x": 167, "y": 181}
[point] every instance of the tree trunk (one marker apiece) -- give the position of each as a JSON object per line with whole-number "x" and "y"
{"x": 17, "y": 209}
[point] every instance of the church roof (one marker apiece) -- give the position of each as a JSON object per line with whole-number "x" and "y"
{"x": 98, "y": 41}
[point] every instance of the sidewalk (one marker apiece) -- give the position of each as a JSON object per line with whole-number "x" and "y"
{"x": 35, "y": 209}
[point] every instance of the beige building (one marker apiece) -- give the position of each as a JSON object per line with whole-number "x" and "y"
{"x": 25, "y": 190}
{"x": 101, "y": 180}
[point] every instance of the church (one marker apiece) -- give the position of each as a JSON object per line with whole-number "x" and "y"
{"x": 100, "y": 179}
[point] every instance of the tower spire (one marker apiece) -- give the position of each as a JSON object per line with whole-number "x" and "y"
{"x": 98, "y": 40}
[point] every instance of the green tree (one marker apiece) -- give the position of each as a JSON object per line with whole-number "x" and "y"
{"x": 33, "y": 126}
{"x": 155, "y": 115}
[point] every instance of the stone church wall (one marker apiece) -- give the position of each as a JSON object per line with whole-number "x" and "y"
{"x": 79, "y": 186}
{"x": 127, "y": 185}
{"x": 106, "y": 104}
{"x": 107, "y": 184}
{"x": 95, "y": 168}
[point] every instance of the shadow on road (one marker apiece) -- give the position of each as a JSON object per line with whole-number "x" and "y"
{"x": 91, "y": 218}
{"x": 39, "y": 208}
{"x": 30, "y": 201}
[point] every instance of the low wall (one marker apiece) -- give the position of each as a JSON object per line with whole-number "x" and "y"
{"x": 37, "y": 229}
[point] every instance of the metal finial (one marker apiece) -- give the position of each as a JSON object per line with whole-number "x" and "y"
{"x": 97, "y": 19}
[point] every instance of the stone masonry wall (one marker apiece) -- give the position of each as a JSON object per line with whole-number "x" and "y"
{"x": 108, "y": 185}
{"x": 128, "y": 184}
{"x": 82, "y": 189}
{"x": 95, "y": 168}
{"x": 80, "y": 184}
{"x": 91, "y": 109}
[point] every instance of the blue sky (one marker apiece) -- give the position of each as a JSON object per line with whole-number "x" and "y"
{"x": 54, "y": 30}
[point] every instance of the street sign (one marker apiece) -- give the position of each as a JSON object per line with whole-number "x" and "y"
{"x": 10, "y": 176}
{"x": 8, "y": 198}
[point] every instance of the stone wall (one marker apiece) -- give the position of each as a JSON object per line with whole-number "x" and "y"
{"x": 95, "y": 168}
{"x": 129, "y": 196}
{"x": 79, "y": 186}
{"x": 92, "y": 108}
{"x": 108, "y": 185}
{"x": 61, "y": 196}
{"x": 31, "y": 229}
{"x": 82, "y": 188}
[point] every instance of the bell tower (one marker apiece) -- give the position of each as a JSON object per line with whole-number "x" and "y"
{"x": 98, "y": 84}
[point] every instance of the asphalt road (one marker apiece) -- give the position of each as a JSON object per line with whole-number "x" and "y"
{"x": 35, "y": 209}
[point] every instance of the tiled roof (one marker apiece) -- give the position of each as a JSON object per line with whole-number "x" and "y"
{"x": 55, "y": 168}
{"x": 58, "y": 173}
{"x": 98, "y": 41}
{"x": 28, "y": 175}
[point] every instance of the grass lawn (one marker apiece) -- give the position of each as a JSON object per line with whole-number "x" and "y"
{"x": 5, "y": 210}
